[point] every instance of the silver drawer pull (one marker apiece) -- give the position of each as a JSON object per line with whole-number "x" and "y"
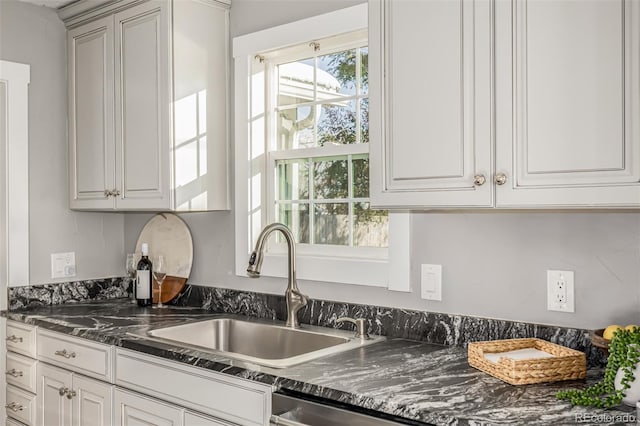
{"x": 14, "y": 339}
{"x": 281, "y": 421}
{"x": 71, "y": 394}
{"x": 15, "y": 373}
{"x": 14, "y": 406}
{"x": 65, "y": 354}
{"x": 63, "y": 391}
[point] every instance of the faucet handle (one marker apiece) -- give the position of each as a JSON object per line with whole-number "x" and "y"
{"x": 361, "y": 326}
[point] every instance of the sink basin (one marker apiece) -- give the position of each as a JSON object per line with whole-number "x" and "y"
{"x": 261, "y": 342}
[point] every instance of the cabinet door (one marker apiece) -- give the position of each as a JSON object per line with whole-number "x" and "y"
{"x": 92, "y": 402}
{"x": 91, "y": 142}
{"x": 431, "y": 127}
{"x": 142, "y": 107}
{"x": 135, "y": 410}
{"x": 567, "y": 99}
{"x": 52, "y": 405}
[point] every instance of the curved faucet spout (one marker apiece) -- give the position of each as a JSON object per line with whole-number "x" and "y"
{"x": 295, "y": 299}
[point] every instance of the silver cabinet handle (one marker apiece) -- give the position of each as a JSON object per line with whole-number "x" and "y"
{"x": 115, "y": 193}
{"x": 14, "y": 406}
{"x": 14, "y": 339}
{"x": 107, "y": 193}
{"x": 15, "y": 373}
{"x": 479, "y": 180}
{"x": 65, "y": 354}
{"x": 360, "y": 323}
{"x": 63, "y": 390}
{"x": 500, "y": 179}
{"x": 281, "y": 421}
{"x": 71, "y": 394}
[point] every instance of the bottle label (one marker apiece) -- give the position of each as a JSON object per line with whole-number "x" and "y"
{"x": 143, "y": 285}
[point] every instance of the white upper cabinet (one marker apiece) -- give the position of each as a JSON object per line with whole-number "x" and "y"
{"x": 434, "y": 73}
{"x": 568, "y": 102}
{"x": 148, "y": 106}
{"x": 143, "y": 123}
{"x": 505, "y": 103}
{"x": 91, "y": 125}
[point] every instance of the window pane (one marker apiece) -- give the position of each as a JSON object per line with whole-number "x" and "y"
{"x": 331, "y": 221}
{"x": 364, "y": 70}
{"x": 360, "y": 165}
{"x": 295, "y": 82}
{"x": 337, "y": 124}
{"x": 330, "y": 178}
{"x": 292, "y": 179}
{"x": 296, "y": 217}
{"x": 295, "y": 127}
{"x": 336, "y": 74}
{"x": 364, "y": 120}
{"x": 370, "y": 227}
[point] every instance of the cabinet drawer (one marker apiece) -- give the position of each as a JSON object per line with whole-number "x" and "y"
{"x": 21, "y": 405}
{"x": 133, "y": 409}
{"x": 21, "y": 338}
{"x": 21, "y": 372}
{"x": 236, "y": 400}
{"x": 75, "y": 354}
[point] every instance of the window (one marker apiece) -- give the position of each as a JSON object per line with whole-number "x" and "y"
{"x": 302, "y": 152}
{"x": 317, "y": 105}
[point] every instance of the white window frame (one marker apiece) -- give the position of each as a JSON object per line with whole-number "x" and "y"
{"x": 391, "y": 272}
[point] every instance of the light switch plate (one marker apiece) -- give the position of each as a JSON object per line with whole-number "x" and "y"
{"x": 431, "y": 282}
{"x": 63, "y": 265}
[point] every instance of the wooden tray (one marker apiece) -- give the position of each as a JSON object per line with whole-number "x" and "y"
{"x": 565, "y": 364}
{"x": 169, "y": 236}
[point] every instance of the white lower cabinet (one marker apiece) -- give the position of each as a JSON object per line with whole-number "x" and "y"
{"x": 65, "y": 398}
{"x": 21, "y": 405}
{"x": 77, "y": 382}
{"x": 133, "y": 409}
{"x": 11, "y": 422}
{"x": 20, "y": 374}
{"x": 234, "y": 400}
{"x": 92, "y": 403}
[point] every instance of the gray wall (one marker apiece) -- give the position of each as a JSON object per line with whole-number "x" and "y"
{"x": 494, "y": 263}
{"x": 34, "y": 35}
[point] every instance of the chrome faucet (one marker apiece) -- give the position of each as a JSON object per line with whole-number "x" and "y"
{"x": 295, "y": 299}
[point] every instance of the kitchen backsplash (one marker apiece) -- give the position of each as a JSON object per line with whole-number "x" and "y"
{"x": 430, "y": 327}
{"x": 67, "y": 292}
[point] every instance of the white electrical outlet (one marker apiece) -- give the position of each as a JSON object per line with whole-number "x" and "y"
{"x": 431, "y": 282}
{"x": 560, "y": 292}
{"x": 63, "y": 265}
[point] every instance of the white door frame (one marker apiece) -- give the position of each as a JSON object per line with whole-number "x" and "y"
{"x": 14, "y": 181}
{"x": 14, "y": 189}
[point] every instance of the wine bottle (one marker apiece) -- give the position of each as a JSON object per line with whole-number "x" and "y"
{"x": 144, "y": 289}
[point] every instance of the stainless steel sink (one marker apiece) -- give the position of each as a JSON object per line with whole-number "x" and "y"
{"x": 261, "y": 342}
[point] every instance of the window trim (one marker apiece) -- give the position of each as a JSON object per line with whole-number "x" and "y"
{"x": 391, "y": 273}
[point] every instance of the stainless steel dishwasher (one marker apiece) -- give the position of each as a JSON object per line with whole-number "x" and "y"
{"x": 295, "y": 411}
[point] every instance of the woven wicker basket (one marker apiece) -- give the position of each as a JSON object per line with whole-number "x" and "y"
{"x": 566, "y": 364}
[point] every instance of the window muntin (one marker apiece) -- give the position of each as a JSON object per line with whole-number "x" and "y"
{"x": 319, "y": 151}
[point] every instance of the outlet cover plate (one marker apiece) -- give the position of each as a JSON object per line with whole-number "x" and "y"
{"x": 560, "y": 291}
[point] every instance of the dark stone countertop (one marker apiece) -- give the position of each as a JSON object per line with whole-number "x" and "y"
{"x": 414, "y": 380}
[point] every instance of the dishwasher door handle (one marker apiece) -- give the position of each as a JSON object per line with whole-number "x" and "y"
{"x": 277, "y": 420}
